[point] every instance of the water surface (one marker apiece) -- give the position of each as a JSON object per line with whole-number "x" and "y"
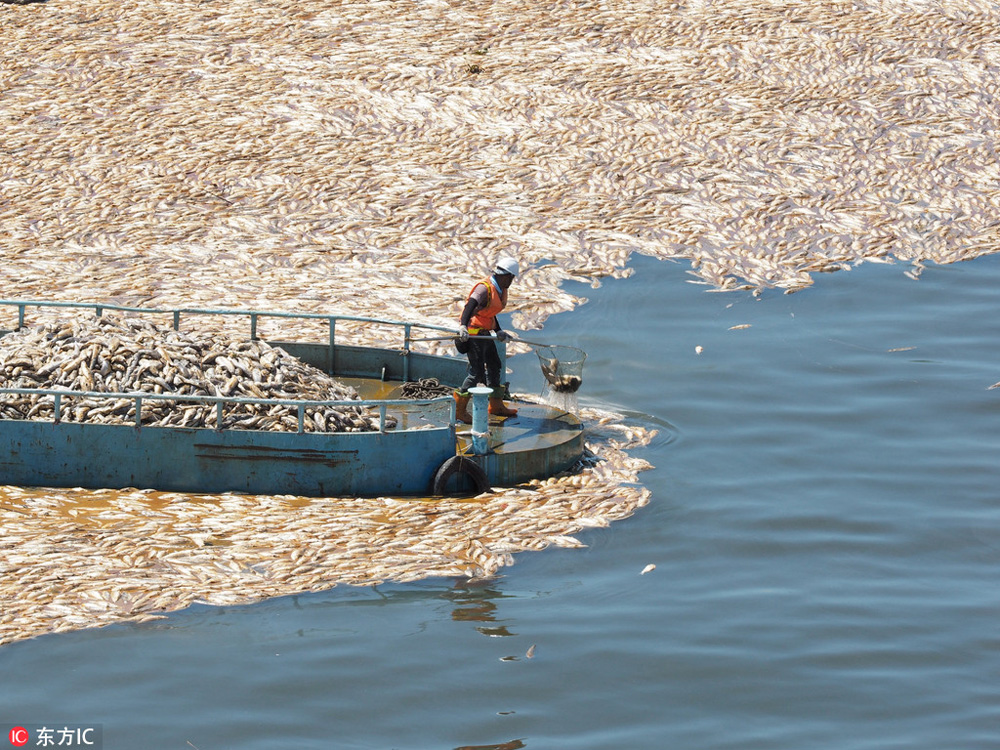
{"x": 823, "y": 520}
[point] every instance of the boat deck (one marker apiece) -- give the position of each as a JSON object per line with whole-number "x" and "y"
{"x": 540, "y": 441}
{"x": 536, "y": 427}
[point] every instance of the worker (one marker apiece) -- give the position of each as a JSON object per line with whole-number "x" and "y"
{"x": 479, "y": 318}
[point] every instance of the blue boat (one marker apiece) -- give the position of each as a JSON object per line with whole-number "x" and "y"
{"x": 418, "y": 450}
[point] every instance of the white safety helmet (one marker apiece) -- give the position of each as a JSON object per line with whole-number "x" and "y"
{"x": 507, "y": 265}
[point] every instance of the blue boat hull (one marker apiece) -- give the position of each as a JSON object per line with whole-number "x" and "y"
{"x": 207, "y": 460}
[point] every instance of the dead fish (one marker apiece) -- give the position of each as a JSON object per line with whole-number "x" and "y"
{"x": 142, "y": 352}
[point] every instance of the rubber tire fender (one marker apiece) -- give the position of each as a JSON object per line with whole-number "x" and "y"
{"x": 462, "y": 465}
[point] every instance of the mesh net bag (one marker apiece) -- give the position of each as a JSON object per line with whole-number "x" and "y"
{"x": 562, "y": 367}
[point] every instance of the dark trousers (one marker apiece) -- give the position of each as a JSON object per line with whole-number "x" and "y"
{"x": 484, "y": 364}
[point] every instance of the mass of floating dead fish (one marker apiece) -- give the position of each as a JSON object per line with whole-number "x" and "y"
{"x": 373, "y": 158}
{"x": 72, "y": 559}
{"x": 110, "y": 354}
{"x": 276, "y": 152}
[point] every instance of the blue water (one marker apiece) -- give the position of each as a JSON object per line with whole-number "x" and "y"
{"x": 824, "y": 521}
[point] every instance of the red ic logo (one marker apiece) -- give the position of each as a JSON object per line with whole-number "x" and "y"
{"x": 19, "y": 736}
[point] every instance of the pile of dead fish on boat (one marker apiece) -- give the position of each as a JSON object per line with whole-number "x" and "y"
{"x": 124, "y": 355}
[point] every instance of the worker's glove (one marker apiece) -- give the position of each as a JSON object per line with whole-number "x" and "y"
{"x": 463, "y": 334}
{"x": 503, "y": 336}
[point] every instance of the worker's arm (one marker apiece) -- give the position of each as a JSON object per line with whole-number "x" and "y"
{"x": 470, "y": 309}
{"x": 477, "y": 301}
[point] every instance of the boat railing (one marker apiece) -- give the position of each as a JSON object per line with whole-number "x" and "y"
{"x": 406, "y": 328}
{"x": 254, "y": 315}
{"x": 220, "y": 402}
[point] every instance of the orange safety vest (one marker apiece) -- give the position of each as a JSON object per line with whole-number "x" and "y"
{"x": 485, "y": 319}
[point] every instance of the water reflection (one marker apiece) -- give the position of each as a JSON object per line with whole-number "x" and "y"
{"x": 512, "y": 745}
{"x": 477, "y": 603}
